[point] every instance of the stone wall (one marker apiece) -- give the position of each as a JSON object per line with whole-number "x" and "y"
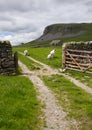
{"x": 7, "y": 60}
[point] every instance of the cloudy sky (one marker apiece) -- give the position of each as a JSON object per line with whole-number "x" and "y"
{"x": 25, "y": 20}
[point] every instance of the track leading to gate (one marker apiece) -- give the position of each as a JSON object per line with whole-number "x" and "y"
{"x": 47, "y": 70}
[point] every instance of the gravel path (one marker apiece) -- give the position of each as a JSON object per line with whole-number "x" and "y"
{"x": 54, "y": 115}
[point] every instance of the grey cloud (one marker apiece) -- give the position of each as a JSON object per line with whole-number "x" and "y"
{"x": 89, "y": 3}
{"x": 9, "y": 26}
{"x": 23, "y": 5}
{"x": 89, "y": 6}
{"x": 65, "y": 2}
{"x": 4, "y": 17}
{"x": 14, "y": 5}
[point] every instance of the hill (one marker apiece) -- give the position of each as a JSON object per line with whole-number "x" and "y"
{"x": 64, "y": 32}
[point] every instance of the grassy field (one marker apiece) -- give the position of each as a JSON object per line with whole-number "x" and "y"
{"x": 85, "y": 78}
{"x": 75, "y": 101}
{"x": 41, "y": 54}
{"x": 19, "y": 107}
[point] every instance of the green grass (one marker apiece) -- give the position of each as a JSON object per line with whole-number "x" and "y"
{"x": 19, "y": 107}
{"x": 85, "y": 78}
{"x": 41, "y": 55}
{"x": 37, "y": 44}
{"x": 85, "y": 37}
{"x": 74, "y": 100}
{"x": 30, "y": 64}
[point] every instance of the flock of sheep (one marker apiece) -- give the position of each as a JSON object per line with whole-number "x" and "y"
{"x": 49, "y": 56}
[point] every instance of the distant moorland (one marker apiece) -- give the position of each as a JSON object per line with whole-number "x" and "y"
{"x": 63, "y": 32}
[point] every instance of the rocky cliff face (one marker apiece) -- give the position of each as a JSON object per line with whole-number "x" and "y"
{"x": 57, "y": 31}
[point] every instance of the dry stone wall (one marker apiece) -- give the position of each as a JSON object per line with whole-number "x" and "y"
{"x": 8, "y": 62}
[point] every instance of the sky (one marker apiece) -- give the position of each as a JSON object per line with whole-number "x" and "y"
{"x": 22, "y": 21}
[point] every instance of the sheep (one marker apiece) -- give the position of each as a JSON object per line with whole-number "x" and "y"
{"x": 25, "y": 52}
{"x": 52, "y": 53}
{"x": 49, "y": 56}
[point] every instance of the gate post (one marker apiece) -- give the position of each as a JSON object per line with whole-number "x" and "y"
{"x": 63, "y": 56}
{"x": 16, "y": 60}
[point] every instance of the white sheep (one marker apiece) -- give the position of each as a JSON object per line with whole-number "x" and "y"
{"x": 49, "y": 56}
{"x": 52, "y": 53}
{"x": 25, "y": 52}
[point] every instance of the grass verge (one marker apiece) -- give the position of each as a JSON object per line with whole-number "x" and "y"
{"x": 85, "y": 78}
{"x": 30, "y": 64}
{"x": 19, "y": 107}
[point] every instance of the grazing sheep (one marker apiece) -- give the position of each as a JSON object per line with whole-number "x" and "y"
{"x": 52, "y": 53}
{"x": 25, "y": 52}
{"x": 49, "y": 56}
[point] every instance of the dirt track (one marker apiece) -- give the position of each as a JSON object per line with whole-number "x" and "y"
{"x": 54, "y": 115}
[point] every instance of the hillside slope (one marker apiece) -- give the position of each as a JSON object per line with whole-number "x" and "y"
{"x": 65, "y": 32}
{"x": 61, "y": 31}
